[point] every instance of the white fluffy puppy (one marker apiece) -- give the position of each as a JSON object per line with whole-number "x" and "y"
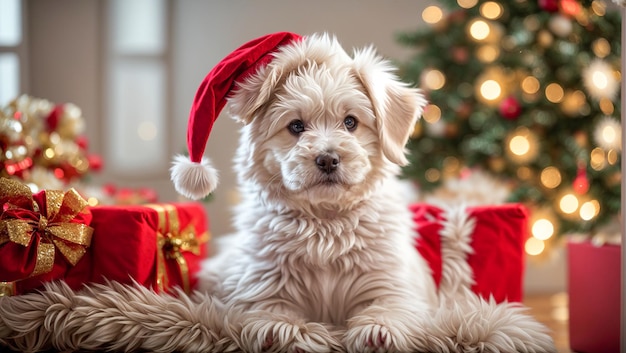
{"x": 324, "y": 242}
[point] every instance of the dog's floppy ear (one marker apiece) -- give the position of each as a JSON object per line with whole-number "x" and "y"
{"x": 257, "y": 90}
{"x": 396, "y": 105}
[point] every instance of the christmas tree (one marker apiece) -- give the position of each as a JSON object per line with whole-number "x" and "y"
{"x": 528, "y": 91}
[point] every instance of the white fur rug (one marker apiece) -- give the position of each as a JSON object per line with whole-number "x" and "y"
{"x": 129, "y": 318}
{"x": 117, "y": 317}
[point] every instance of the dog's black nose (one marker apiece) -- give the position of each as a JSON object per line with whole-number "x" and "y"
{"x": 327, "y": 162}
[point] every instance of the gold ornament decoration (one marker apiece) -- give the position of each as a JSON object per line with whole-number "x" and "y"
{"x": 38, "y": 133}
{"x": 601, "y": 47}
{"x": 573, "y": 102}
{"x": 597, "y": 159}
{"x": 554, "y": 92}
{"x": 550, "y": 177}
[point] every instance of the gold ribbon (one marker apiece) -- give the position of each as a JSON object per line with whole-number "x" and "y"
{"x": 52, "y": 224}
{"x": 172, "y": 242}
{"x": 7, "y": 289}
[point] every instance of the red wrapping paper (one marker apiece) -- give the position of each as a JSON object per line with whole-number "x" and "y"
{"x": 125, "y": 245}
{"x": 50, "y": 220}
{"x": 594, "y": 280}
{"x": 498, "y": 242}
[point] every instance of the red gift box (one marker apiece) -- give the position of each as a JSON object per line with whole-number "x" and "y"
{"x": 43, "y": 237}
{"x": 159, "y": 246}
{"x": 594, "y": 280}
{"x": 495, "y": 252}
{"x": 54, "y": 235}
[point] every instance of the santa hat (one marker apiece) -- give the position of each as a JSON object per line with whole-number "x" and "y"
{"x": 195, "y": 177}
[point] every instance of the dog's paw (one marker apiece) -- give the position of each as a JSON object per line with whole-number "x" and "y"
{"x": 370, "y": 338}
{"x": 264, "y": 335}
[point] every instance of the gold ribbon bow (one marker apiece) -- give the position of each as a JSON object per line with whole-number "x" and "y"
{"x": 172, "y": 242}
{"x": 21, "y": 219}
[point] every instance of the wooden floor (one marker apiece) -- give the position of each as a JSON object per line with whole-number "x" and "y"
{"x": 552, "y": 311}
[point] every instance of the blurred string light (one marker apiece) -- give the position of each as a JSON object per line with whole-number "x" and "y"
{"x": 551, "y": 177}
{"x": 543, "y": 229}
{"x": 607, "y": 134}
{"x": 554, "y": 92}
{"x": 568, "y": 203}
{"x": 432, "y": 14}
{"x": 487, "y": 53}
{"x": 589, "y": 210}
{"x": 597, "y": 159}
{"x": 574, "y": 102}
{"x": 534, "y": 246}
{"x": 467, "y": 4}
{"x": 600, "y": 81}
{"x": 491, "y": 10}
{"x": 606, "y": 106}
{"x": 530, "y": 86}
{"x": 479, "y": 29}
{"x": 522, "y": 145}
{"x": 432, "y": 114}
{"x": 490, "y": 90}
{"x": 433, "y": 79}
{"x": 598, "y": 7}
{"x": 601, "y": 47}
{"x": 492, "y": 86}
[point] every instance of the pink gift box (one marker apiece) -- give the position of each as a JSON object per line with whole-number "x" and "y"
{"x": 594, "y": 281}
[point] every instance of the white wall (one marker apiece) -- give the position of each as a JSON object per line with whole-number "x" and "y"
{"x": 206, "y": 31}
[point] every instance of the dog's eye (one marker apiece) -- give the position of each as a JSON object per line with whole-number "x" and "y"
{"x": 296, "y": 127}
{"x": 350, "y": 122}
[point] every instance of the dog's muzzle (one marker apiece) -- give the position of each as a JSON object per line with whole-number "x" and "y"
{"x": 327, "y": 162}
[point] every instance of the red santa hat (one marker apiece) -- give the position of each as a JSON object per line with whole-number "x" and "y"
{"x": 195, "y": 177}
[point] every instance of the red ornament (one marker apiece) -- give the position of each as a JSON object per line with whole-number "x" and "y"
{"x": 581, "y": 183}
{"x": 570, "y": 7}
{"x": 549, "y": 5}
{"x": 460, "y": 55}
{"x": 109, "y": 189}
{"x": 82, "y": 142}
{"x": 510, "y": 108}
{"x": 148, "y": 195}
{"x": 95, "y": 162}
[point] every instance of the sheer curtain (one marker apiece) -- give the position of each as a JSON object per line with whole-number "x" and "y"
{"x": 136, "y": 94}
{"x": 11, "y": 39}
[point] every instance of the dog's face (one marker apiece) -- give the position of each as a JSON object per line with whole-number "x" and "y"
{"x": 323, "y": 128}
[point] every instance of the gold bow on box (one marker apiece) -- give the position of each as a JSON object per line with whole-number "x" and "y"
{"x": 53, "y": 219}
{"x": 172, "y": 242}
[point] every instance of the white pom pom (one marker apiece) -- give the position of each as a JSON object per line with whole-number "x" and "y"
{"x": 193, "y": 180}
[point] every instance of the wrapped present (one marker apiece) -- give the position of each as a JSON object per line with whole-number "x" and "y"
{"x": 594, "y": 288}
{"x": 54, "y": 235}
{"x": 160, "y": 246}
{"x": 43, "y": 237}
{"x": 481, "y": 246}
